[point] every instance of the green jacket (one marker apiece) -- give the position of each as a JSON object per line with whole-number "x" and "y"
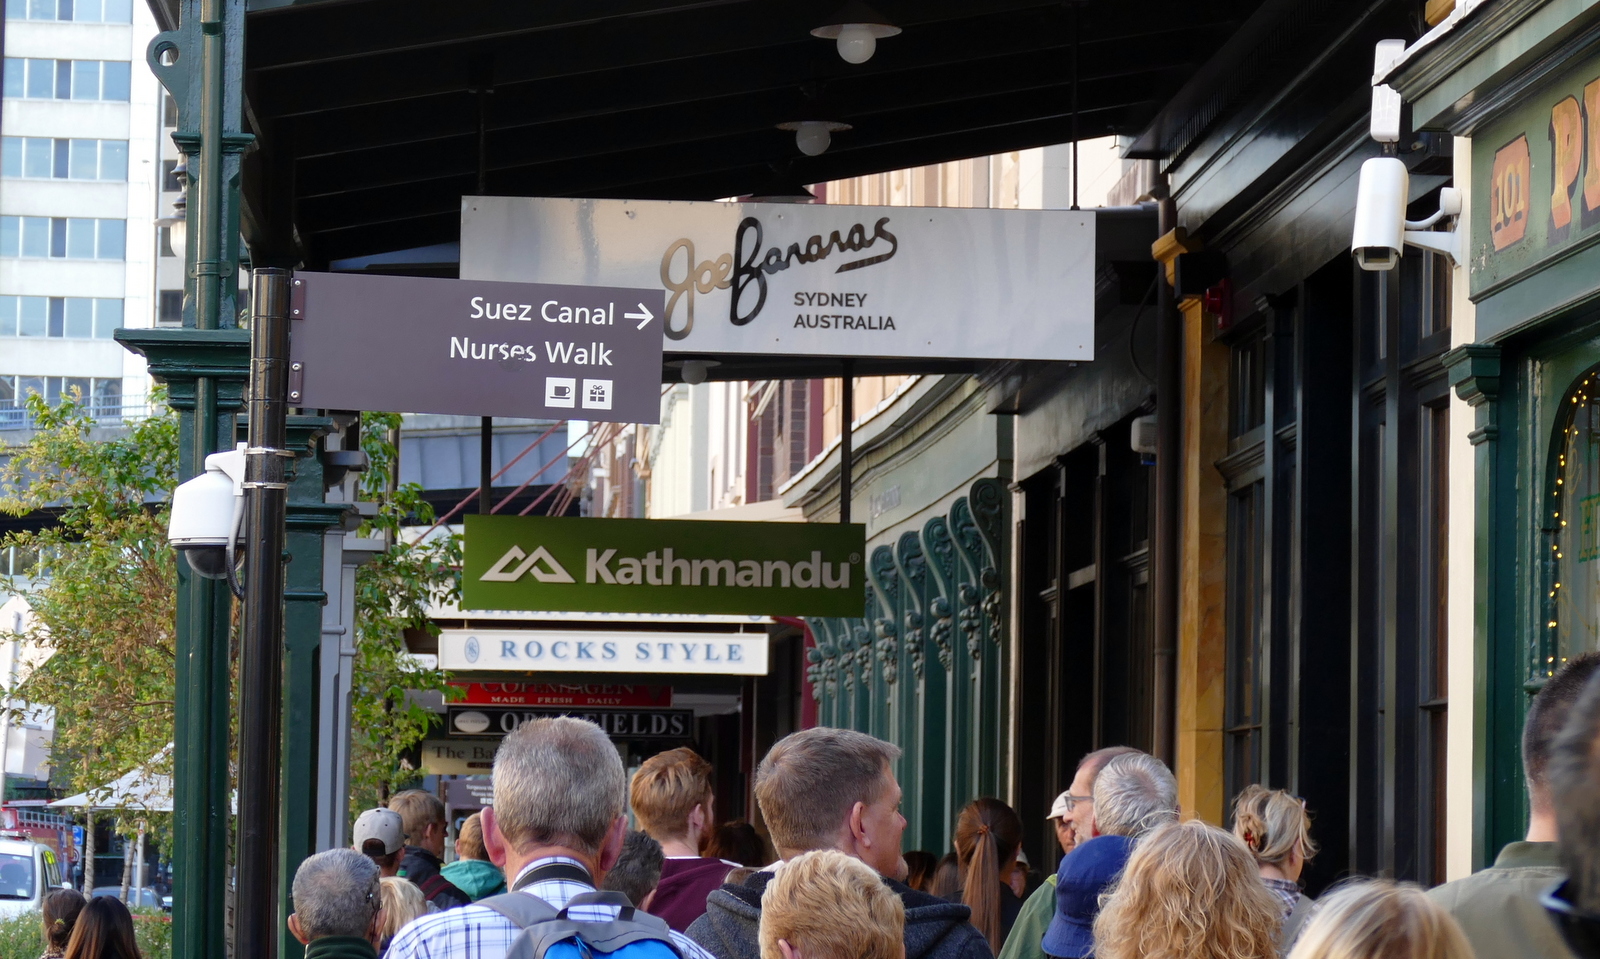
{"x": 1499, "y": 909}
{"x": 1028, "y": 931}
{"x": 475, "y": 877}
{"x": 340, "y": 947}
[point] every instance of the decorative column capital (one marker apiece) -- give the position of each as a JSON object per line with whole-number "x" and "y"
{"x": 1166, "y": 250}
{"x": 179, "y": 356}
{"x": 1474, "y": 371}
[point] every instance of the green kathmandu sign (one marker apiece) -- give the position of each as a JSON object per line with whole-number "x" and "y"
{"x": 663, "y": 566}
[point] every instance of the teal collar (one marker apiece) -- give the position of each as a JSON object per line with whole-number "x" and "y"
{"x": 340, "y": 947}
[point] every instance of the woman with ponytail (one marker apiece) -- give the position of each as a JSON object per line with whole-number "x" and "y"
{"x": 1274, "y": 826}
{"x": 988, "y": 838}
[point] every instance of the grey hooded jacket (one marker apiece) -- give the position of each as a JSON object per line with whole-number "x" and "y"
{"x": 935, "y": 929}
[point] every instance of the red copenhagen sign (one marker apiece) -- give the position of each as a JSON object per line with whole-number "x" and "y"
{"x": 563, "y": 694}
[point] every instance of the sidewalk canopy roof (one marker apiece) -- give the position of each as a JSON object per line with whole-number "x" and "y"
{"x": 366, "y": 114}
{"x": 138, "y": 789}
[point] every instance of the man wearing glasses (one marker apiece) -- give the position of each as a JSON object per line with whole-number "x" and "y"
{"x": 1077, "y": 803}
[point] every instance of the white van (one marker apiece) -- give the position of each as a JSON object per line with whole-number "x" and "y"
{"x": 28, "y": 870}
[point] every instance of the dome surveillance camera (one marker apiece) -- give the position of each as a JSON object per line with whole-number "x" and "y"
{"x": 206, "y": 512}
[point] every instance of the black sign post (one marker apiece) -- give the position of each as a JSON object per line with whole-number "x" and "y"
{"x": 475, "y": 347}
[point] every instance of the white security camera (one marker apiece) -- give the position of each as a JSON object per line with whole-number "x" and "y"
{"x": 1380, "y": 213}
{"x": 1382, "y": 230}
{"x": 206, "y": 513}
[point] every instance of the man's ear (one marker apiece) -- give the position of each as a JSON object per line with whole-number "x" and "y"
{"x": 858, "y": 826}
{"x": 296, "y": 931}
{"x": 697, "y": 818}
{"x": 372, "y": 930}
{"x": 649, "y": 897}
{"x": 790, "y": 952}
{"x": 494, "y": 844}
{"x": 611, "y": 849}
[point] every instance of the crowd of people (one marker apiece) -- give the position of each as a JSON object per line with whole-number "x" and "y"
{"x": 553, "y": 865}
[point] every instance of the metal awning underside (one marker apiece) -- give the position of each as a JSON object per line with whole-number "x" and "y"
{"x": 367, "y": 119}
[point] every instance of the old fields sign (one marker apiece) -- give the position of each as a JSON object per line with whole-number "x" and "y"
{"x": 813, "y": 279}
{"x": 654, "y": 565}
{"x": 618, "y": 723}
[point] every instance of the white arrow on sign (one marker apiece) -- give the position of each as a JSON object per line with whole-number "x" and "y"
{"x": 643, "y": 316}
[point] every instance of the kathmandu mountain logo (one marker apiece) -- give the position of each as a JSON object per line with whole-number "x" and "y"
{"x": 553, "y": 572}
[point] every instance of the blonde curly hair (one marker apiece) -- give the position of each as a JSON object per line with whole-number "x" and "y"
{"x": 1189, "y": 891}
{"x": 1381, "y": 919}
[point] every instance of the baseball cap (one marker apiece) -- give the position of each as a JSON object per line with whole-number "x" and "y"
{"x": 1084, "y": 875}
{"x": 384, "y": 825}
{"x": 1059, "y": 808}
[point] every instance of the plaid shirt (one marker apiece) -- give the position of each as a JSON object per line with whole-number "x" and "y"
{"x": 478, "y": 932}
{"x": 1287, "y": 892}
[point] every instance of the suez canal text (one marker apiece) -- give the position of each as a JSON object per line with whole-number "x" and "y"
{"x": 551, "y": 311}
{"x": 747, "y": 267}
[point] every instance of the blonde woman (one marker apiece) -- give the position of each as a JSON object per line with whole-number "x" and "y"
{"x": 1190, "y": 891}
{"x": 1274, "y": 826}
{"x": 402, "y": 902}
{"x": 827, "y": 905}
{"x": 1381, "y": 919}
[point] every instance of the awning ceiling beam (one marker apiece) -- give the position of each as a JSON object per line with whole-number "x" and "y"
{"x": 366, "y": 116}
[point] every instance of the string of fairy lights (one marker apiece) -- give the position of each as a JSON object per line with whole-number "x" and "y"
{"x": 1588, "y": 549}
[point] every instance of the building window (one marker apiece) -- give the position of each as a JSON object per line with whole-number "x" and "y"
{"x": 76, "y": 317}
{"x": 17, "y": 561}
{"x": 170, "y": 308}
{"x": 1572, "y": 522}
{"x": 67, "y": 79}
{"x": 1246, "y": 613}
{"x": 64, "y": 159}
{"x": 169, "y": 110}
{"x": 1248, "y": 395}
{"x": 62, "y": 237}
{"x": 169, "y": 177}
{"x": 82, "y": 11}
{"x": 1434, "y": 645}
{"x": 102, "y": 397}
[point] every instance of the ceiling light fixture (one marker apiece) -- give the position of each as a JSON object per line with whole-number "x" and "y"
{"x": 813, "y": 137}
{"x": 856, "y": 28}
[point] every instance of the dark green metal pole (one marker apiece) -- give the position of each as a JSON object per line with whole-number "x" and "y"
{"x": 204, "y": 366}
{"x": 308, "y": 519}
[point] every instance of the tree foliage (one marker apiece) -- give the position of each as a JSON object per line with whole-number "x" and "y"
{"x": 393, "y": 593}
{"x": 105, "y": 614}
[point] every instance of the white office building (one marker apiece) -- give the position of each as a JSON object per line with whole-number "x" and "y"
{"x": 83, "y": 160}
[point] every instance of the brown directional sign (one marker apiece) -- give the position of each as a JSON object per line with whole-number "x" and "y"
{"x": 423, "y": 345}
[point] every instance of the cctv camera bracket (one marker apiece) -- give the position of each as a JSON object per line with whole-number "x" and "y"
{"x": 1445, "y": 243}
{"x": 1448, "y": 243}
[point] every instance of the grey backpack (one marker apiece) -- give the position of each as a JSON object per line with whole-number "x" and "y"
{"x": 549, "y": 933}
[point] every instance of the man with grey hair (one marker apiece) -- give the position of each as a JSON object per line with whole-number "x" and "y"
{"x": 827, "y": 788}
{"x": 555, "y": 828}
{"x": 337, "y": 912}
{"x": 1132, "y": 794}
